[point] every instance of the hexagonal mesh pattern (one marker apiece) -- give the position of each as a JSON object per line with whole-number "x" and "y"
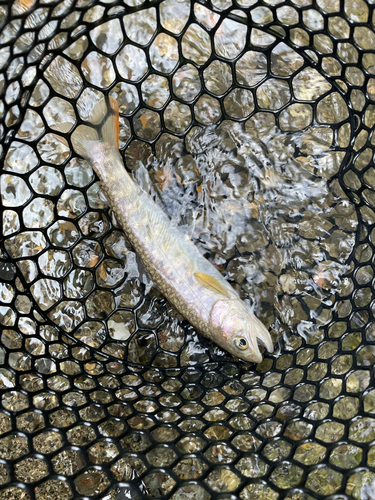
{"x": 251, "y": 123}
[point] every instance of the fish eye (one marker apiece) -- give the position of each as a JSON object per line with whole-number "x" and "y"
{"x": 241, "y": 343}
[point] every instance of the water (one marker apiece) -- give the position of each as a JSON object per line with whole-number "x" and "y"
{"x": 250, "y": 157}
{"x": 269, "y": 217}
{"x": 260, "y": 198}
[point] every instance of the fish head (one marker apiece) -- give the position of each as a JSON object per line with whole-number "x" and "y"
{"x": 238, "y": 330}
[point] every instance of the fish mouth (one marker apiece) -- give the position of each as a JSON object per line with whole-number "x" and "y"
{"x": 262, "y": 335}
{"x": 256, "y": 355}
{"x": 258, "y": 336}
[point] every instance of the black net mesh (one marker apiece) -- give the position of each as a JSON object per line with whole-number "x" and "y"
{"x": 254, "y": 120}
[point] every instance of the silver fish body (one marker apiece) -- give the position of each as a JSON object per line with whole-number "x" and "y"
{"x": 188, "y": 280}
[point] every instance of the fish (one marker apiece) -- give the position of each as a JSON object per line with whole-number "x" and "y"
{"x": 187, "y": 279}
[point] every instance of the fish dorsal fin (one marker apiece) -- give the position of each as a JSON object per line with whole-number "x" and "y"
{"x": 211, "y": 283}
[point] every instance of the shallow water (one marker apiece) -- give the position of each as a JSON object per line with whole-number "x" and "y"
{"x": 261, "y": 198}
{"x": 278, "y": 226}
{"x": 259, "y": 145}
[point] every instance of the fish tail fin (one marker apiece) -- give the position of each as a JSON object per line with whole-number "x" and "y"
{"x": 102, "y": 127}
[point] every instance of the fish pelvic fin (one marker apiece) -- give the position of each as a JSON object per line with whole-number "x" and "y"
{"x": 101, "y": 128}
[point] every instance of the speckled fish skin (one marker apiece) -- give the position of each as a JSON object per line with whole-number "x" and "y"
{"x": 170, "y": 258}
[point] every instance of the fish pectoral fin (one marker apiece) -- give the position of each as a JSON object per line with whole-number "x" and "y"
{"x": 211, "y": 283}
{"x": 149, "y": 230}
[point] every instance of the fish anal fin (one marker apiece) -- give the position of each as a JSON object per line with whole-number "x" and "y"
{"x": 211, "y": 283}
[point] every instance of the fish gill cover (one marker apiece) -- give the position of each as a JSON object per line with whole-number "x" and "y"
{"x": 250, "y": 123}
